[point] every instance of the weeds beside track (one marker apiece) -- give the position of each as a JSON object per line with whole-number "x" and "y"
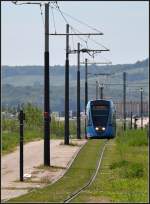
{"x": 79, "y": 173}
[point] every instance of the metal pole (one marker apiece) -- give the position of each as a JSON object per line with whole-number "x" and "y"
{"x": 21, "y": 118}
{"x": 124, "y": 99}
{"x": 131, "y": 120}
{"x": 86, "y": 84}
{"x": 101, "y": 92}
{"x": 141, "y": 108}
{"x": 78, "y": 94}
{"x": 96, "y": 89}
{"x": 86, "y": 92}
{"x": 131, "y": 115}
{"x": 66, "y": 136}
{"x": 46, "y": 91}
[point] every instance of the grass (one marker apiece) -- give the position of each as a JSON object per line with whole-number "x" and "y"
{"x": 123, "y": 176}
{"x": 10, "y": 133}
{"x": 10, "y": 140}
{"x": 78, "y": 174}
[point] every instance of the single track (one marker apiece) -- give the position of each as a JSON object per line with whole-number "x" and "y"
{"x": 90, "y": 181}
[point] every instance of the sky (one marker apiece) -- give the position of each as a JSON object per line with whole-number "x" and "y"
{"x": 125, "y": 26}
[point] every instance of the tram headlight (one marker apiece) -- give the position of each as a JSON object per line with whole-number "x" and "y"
{"x": 96, "y": 128}
{"x": 103, "y": 128}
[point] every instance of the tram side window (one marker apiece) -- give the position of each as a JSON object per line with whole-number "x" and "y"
{"x": 89, "y": 120}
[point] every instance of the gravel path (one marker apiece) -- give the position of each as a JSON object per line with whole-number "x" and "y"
{"x": 61, "y": 157}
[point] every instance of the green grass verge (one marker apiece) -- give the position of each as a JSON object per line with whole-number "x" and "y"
{"x": 10, "y": 133}
{"x": 78, "y": 174}
{"x": 10, "y": 140}
{"x": 123, "y": 176}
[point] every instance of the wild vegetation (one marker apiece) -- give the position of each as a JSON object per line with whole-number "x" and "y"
{"x": 33, "y": 128}
{"x": 123, "y": 176}
{"x": 24, "y": 84}
{"x": 79, "y": 173}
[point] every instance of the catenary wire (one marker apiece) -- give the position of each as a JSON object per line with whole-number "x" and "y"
{"x": 79, "y": 21}
{"x": 53, "y": 19}
{"x": 77, "y": 31}
{"x": 62, "y": 13}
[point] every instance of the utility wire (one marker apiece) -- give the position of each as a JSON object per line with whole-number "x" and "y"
{"x": 42, "y": 14}
{"x": 57, "y": 8}
{"x": 73, "y": 30}
{"x": 66, "y": 21}
{"x": 129, "y": 85}
{"x": 16, "y": 3}
{"x": 72, "y": 41}
{"x": 53, "y": 19}
{"x": 77, "y": 31}
{"x": 79, "y": 21}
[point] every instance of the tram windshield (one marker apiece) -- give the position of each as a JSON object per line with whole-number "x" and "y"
{"x": 100, "y": 115}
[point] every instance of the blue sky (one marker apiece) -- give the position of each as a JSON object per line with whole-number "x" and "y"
{"x": 124, "y": 24}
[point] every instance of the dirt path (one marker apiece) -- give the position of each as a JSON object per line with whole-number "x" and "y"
{"x": 61, "y": 158}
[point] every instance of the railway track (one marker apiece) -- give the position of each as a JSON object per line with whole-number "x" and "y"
{"x": 90, "y": 181}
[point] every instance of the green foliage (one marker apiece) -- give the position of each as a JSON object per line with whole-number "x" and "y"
{"x": 123, "y": 176}
{"x": 30, "y": 86}
{"x": 128, "y": 169}
{"x": 33, "y": 116}
{"x": 10, "y": 140}
{"x": 119, "y": 164}
{"x": 80, "y": 171}
{"x": 57, "y": 128}
{"x": 10, "y": 125}
{"x": 134, "y": 170}
{"x": 133, "y": 137}
{"x": 33, "y": 128}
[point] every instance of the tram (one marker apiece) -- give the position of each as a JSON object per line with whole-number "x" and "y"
{"x": 101, "y": 119}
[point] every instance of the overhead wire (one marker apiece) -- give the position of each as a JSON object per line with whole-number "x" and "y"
{"x": 86, "y": 41}
{"x": 72, "y": 41}
{"x": 62, "y": 13}
{"x": 41, "y": 12}
{"x": 66, "y": 21}
{"x": 16, "y": 3}
{"x": 56, "y": 6}
{"x": 79, "y": 37}
{"x": 53, "y": 19}
{"x": 79, "y": 21}
{"x": 77, "y": 31}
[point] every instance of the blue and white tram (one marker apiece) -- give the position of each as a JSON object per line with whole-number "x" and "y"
{"x": 101, "y": 119}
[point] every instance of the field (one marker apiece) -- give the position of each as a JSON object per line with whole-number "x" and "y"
{"x": 33, "y": 129}
{"x": 123, "y": 175}
{"x": 78, "y": 174}
{"x": 124, "y": 172}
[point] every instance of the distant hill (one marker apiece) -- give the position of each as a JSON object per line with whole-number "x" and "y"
{"x": 22, "y": 84}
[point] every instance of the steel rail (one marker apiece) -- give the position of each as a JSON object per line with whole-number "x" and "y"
{"x": 76, "y": 193}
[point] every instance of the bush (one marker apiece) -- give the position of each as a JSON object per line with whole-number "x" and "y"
{"x": 119, "y": 164}
{"x": 134, "y": 170}
{"x": 33, "y": 116}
